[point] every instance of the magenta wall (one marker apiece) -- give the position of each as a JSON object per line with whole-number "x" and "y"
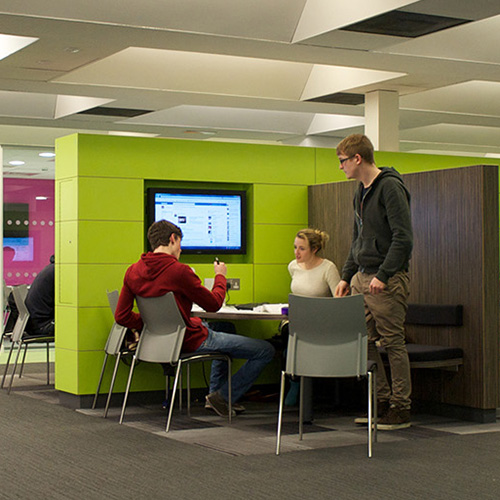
{"x": 28, "y": 253}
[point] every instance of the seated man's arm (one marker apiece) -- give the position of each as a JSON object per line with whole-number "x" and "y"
{"x": 210, "y": 301}
{"x": 124, "y": 315}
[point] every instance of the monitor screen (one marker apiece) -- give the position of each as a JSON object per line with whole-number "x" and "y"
{"x": 212, "y": 221}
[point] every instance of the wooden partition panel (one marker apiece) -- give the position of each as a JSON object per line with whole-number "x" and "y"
{"x": 455, "y": 261}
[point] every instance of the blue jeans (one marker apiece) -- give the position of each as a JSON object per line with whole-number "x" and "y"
{"x": 257, "y": 352}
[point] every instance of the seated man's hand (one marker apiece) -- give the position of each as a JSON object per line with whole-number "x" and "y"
{"x": 220, "y": 268}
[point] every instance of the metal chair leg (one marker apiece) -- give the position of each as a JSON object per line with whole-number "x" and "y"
{"x": 7, "y": 364}
{"x": 301, "y": 408}
{"x": 129, "y": 381}
{"x": 229, "y": 388}
{"x": 112, "y": 384}
{"x": 171, "y": 407}
{"x": 24, "y": 359}
{"x": 370, "y": 414}
{"x": 280, "y": 412}
{"x": 100, "y": 381}
{"x": 15, "y": 366}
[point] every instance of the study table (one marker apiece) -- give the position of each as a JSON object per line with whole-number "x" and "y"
{"x": 227, "y": 313}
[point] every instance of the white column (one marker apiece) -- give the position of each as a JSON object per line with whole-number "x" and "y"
{"x": 382, "y": 119}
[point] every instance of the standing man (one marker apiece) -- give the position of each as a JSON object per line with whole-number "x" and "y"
{"x": 377, "y": 267}
{"x": 159, "y": 272}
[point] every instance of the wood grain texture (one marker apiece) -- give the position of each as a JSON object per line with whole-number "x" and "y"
{"x": 455, "y": 260}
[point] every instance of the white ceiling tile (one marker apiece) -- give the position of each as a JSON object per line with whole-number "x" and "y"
{"x": 321, "y": 16}
{"x": 477, "y": 41}
{"x": 473, "y": 98}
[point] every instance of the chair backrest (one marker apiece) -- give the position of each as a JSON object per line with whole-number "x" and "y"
{"x": 113, "y": 300}
{"x": 328, "y": 336}
{"x": 19, "y": 293}
{"x": 117, "y": 332}
{"x": 163, "y": 332}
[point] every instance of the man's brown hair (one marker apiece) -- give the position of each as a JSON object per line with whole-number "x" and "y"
{"x": 159, "y": 233}
{"x": 356, "y": 144}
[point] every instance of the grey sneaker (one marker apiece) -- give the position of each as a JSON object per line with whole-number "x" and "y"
{"x": 235, "y": 406}
{"x": 394, "y": 419}
{"x": 382, "y": 409}
{"x": 218, "y": 404}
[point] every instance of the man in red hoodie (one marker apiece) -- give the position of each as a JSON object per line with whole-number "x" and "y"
{"x": 159, "y": 272}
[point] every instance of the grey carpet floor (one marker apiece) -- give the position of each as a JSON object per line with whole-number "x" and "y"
{"x": 48, "y": 451}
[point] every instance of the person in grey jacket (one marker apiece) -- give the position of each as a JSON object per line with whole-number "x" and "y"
{"x": 377, "y": 267}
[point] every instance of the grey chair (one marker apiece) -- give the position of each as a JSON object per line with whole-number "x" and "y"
{"x": 114, "y": 347}
{"x": 161, "y": 341}
{"x": 328, "y": 338}
{"x": 6, "y": 314}
{"x": 21, "y": 338}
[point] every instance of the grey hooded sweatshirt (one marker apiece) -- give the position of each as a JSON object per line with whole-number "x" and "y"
{"x": 382, "y": 237}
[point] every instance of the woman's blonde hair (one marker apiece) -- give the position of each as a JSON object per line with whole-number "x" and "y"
{"x": 317, "y": 239}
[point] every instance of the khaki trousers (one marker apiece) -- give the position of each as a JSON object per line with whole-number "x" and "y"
{"x": 385, "y": 316}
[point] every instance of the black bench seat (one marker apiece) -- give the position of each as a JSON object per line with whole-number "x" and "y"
{"x": 433, "y": 356}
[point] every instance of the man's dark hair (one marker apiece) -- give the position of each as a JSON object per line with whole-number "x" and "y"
{"x": 159, "y": 233}
{"x": 357, "y": 144}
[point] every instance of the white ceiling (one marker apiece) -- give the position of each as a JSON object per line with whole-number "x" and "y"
{"x": 234, "y": 70}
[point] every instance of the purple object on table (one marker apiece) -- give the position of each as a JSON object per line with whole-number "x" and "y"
{"x": 284, "y": 310}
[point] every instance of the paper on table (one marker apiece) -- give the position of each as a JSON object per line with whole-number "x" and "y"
{"x": 270, "y": 308}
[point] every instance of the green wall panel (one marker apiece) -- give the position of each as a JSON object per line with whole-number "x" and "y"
{"x": 66, "y": 320}
{"x": 327, "y": 167}
{"x": 66, "y": 199}
{"x": 94, "y": 280}
{"x": 109, "y": 241}
{"x": 111, "y": 199}
{"x": 66, "y": 284}
{"x": 274, "y": 204}
{"x": 242, "y": 271}
{"x": 272, "y": 283}
{"x": 144, "y": 158}
{"x": 66, "y": 157}
{"x": 67, "y": 376}
{"x": 94, "y": 325}
{"x": 274, "y": 243}
{"x": 67, "y": 238}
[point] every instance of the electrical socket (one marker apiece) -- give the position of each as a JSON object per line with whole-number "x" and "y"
{"x": 233, "y": 283}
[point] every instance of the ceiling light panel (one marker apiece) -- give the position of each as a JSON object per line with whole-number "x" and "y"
{"x": 9, "y": 44}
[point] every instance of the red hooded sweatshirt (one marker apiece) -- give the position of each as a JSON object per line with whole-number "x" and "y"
{"x": 159, "y": 273}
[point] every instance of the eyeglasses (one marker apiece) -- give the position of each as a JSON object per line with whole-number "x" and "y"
{"x": 341, "y": 161}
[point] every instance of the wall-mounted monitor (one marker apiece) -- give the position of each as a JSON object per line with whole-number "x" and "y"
{"x": 212, "y": 221}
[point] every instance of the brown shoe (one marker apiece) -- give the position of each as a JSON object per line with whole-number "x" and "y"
{"x": 394, "y": 419}
{"x": 382, "y": 409}
{"x": 219, "y": 405}
{"x": 235, "y": 406}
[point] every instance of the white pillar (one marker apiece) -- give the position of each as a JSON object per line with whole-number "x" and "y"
{"x": 382, "y": 119}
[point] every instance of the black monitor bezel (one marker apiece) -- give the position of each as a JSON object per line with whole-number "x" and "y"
{"x": 152, "y": 191}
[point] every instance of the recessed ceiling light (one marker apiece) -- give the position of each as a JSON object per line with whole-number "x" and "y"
{"x": 47, "y": 154}
{"x": 16, "y": 163}
{"x": 41, "y": 198}
{"x": 72, "y": 50}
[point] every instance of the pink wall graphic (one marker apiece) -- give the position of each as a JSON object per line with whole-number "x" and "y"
{"x": 28, "y": 228}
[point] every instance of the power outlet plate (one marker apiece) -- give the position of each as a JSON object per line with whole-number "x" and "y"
{"x": 234, "y": 283}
